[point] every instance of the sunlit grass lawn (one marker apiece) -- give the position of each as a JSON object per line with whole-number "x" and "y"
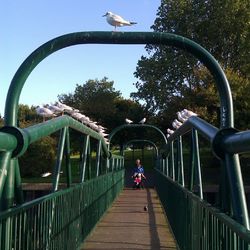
{"x": 209, "y": 164}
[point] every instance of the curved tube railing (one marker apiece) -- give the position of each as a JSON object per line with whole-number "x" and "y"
{"x": 224, "y": 143}
{"x": 144, "y": 142}
{"x": 67, "y": 40}
{"x": 131, "y": 126}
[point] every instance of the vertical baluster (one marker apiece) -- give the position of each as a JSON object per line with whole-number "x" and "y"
{"x": 57, "y": 169}
{"x": 180, "y": 161}
{"x": 98, "y": 156}
{"x": 196, "y": 159}
{"x": 84, "y": 158}
{"x": 67, "y": 159}
{"x": 172, "y": 165}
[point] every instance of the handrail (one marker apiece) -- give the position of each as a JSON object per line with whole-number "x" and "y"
{"x": 207, "y": 130}
{"x": 225, "y": 143}
{"x": 125, "y": 126}
{"x": 145, "y": 142}
{"x": 18, "y": 81}
{"x": 35, "y": 132}
{"x": 7, "y": 142}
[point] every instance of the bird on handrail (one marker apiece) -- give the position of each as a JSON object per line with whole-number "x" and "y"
{"x": 143, "y": 121}
{"x": 128, "y": 121}
{"x": 116, "y": 20}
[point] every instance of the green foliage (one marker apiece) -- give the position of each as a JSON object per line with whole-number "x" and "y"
{"x": 170, "y": 79}
{"x": 99, "y": 100}
{"x": 39, "y": 158}
{"x": 27, "y": 115}
{"x": 95, "y": 98}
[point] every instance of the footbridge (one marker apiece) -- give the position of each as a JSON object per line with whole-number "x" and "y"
{"x": 173, "y": 215}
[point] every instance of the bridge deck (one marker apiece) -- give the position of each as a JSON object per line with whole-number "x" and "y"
{"x": 127, "y": 226}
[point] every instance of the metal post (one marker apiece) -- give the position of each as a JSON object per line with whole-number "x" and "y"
{"x": 60, "y": 150}
{"x": 167, "y": 166}
{"x": 84, "y": 157}
{"x": 18, "y": 185}
{"x": 196, "y": 159}
{"x": 237, "y": 191}
{"x": 172, "y": 165}
{"x": 4, "y": 162}
{"x": 180, "y": 161}
{"x": 67, "y": 160}
{"x": 89, "y": 160}
{"x": 191, "y": 166}
{"x": 98, "y": 156}
{"x": 7, "y": 200}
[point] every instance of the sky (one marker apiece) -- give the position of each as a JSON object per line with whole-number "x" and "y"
{"x": 27, "y": 24}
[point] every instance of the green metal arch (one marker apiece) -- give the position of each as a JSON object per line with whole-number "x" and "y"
{"x": 124, "y": 126}
{"x": 17, "y": 83}
{"x": 144, "y": 141}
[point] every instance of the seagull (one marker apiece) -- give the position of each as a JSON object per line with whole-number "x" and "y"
{"x": 93, "y": 125}
{"x": 103, "y": 134}
{"x": 183, "y": 114}
{"x": 170, "y": 131}
{"x": 116, "y": 20}
{"x": 46, "y": 174}
{"x": 181, "y": 117}
{"x": 128, "y": 121}
{"x": 142, "y": 121}
{"x": 106, "y": 140}
{"x": 55, "y": 109}
{"x": 176, "y": 124}
{"x": 189, "y": 113}
{"x": 44, "y": 112}
{"x": 65, "y": 107}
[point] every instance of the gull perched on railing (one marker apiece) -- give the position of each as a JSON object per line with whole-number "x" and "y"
{"x": 143, "y": 121}
{"x": 55, "y": 109}
{"x": 170, "y": 131}
{"x": 66, "y": 108}
{"x": 176, "y": 124}
{"x": 116, "y": 20}
{"x": 44, "y": 112}
{"x": 46, "y": 174}
{"x": 181, "y": 117}
{"x": 128, "y": 121}
{"x": 189, "y": 113}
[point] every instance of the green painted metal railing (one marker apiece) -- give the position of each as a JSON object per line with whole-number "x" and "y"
{"x": 61, "y": 220}
{"x": 225, "y": 142}
{"x": 195, "y": 223}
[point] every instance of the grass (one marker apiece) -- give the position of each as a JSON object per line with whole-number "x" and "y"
{"x": 209, "y": 164}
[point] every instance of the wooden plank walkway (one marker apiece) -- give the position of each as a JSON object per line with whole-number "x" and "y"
{"x": 126, "y": 225}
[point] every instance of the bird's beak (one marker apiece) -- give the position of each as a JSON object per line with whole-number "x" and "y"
{"x": 105, "y": 15}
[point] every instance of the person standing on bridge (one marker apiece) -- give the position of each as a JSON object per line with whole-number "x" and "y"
{"x": 138, "y": 171}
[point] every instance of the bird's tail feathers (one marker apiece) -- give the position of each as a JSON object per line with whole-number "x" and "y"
{"x": 132, "y": 23}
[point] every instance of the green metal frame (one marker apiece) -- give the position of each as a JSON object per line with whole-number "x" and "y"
{"x": 132, "y": 126}
{"x": 226, "y": 142}
{"x": 232, "y": 176}
{"x": 195, "y": 223}
{"x": 144, "y": 142}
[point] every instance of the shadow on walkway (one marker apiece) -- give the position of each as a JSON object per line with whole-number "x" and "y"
{"x": 127, "y": 225}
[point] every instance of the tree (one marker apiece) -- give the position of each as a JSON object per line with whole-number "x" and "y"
{"x": 39, "y": 158}
{"x": 40, "y": 155}
{"x": 171, "y": 79}
{"x": 99, "y": 100}
{"x": 95, "y": 98}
